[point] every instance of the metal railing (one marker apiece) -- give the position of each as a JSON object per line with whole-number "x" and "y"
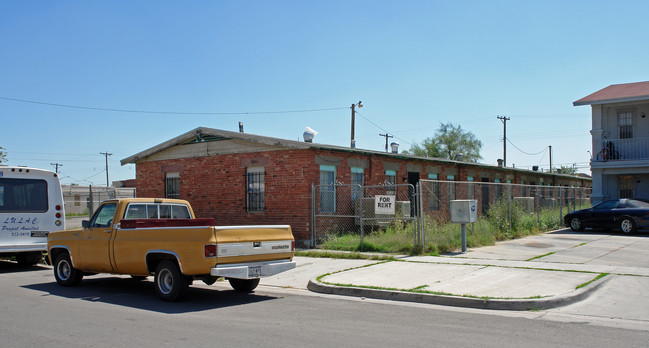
{"x": 621, "y": 149}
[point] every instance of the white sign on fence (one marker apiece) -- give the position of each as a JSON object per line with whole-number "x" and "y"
{"x": 384, "y": 204}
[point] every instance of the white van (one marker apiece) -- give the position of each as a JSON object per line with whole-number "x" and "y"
{"x": 31, "y": 206}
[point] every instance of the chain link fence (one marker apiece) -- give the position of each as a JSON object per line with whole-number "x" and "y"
{"x": 517, "y": 200}
{"x": 343, "y": 209}
{"x": 339, "y": 209}
{"x": 79, "y": 200}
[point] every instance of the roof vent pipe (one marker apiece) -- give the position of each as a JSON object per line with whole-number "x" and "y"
{"x": 240, "y": 127}
{"x": 395, "y": 147}
{"x": 459, "y": 157}
{"x": 309, "y": 134}
{"x": 500, "y": 162}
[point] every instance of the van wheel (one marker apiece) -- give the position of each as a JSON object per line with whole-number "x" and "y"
{"x": 65, "y": 274}
{"x": 243, "y": 285}
{"x": 29, "y": 259}
{"x": 170, "y": 284}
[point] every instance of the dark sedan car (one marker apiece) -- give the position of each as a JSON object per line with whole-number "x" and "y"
{"x": 625, "y": 214}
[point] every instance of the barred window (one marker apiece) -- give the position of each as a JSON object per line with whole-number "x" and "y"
{"x": 255, "y": 189}
{"x": 625, "y": 184}
{"x": 172, "y": 185}
{"x": 391, "y": 181}
{"x": 327, "y": 188}
{"x": 433, "y": 193}
{"x": 357, "y": 183}
{"x": 625, "y": 123}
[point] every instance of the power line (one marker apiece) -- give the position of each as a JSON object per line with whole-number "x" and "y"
{"x": 379, "y": 127}
{"x": 527, "y": 153}
{"x": 165, "y": 112}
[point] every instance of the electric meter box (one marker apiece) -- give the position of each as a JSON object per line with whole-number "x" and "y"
{"x": 464, "y": 211}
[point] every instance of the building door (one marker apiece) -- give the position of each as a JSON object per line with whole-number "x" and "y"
{"x": 485, "y": 196}
{"x": 413, "y": 179}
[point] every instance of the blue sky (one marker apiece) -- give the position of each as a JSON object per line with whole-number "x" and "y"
{"x": 413, "y": 64}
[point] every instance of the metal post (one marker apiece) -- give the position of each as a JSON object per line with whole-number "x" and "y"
{"x": 561, "y": 207}
{"x": 313, "y": 224}
{"x": 509, "y": 204}
{"x": 422, "y": 224}
{"x": 362, "y": 214}
{"x": 463, "y": 238}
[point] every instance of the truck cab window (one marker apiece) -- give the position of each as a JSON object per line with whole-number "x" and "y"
{"x": 104, "y": 216}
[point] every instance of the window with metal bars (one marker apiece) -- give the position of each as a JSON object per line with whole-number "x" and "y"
{"x": 625, "y": 124}
{"x": 255, "y": 189}
{"x": 172, "y": 185}
{"x": 625, "y": 184}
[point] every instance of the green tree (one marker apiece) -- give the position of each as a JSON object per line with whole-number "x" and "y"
{"x": 449, "y": 141}
{"x": 3, "y": 155}
{"x": 570, "y": 170}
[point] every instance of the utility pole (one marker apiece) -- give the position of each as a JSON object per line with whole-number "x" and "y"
{"x": 360, "y": 105}
{"x": 386, "y": 135}
{"x": 504, "y": 120}
{"x": 106, "y": 154}
{"x": 550, "y": 149}
{"x": 56, "y": 165}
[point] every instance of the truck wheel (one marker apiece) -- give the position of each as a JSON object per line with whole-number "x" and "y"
{"x": 243, "y": 285}
{"x": 170, "y": 284}
{"x": 29, "y": 259}
{"x": 65, "y": 274}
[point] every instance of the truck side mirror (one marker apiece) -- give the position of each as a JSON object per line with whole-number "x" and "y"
{"x": 85, "y": 223}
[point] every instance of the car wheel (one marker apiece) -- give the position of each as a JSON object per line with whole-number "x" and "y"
{"x": 576, "y": 224}
{"x": 170, "y": 284}
{"x": 243, "y": 285}
{"x": 65, "y": 274}
{"x": 627, "y": 225}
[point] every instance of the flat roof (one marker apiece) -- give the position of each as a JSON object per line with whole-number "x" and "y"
{"x": 617, "y": 93}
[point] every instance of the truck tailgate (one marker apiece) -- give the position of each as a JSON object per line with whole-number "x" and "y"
{"x": 238, "y": 244}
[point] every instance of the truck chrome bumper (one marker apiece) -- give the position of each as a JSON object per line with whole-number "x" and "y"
{"x": 252, "y": 270}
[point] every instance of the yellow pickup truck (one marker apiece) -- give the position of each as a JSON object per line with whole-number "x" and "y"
{"x": 161, "y": 237}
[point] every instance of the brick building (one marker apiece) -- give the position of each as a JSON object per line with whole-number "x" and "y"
{"x": 244, "y": 179}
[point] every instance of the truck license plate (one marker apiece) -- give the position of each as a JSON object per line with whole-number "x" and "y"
{"x": 254, "y": 271}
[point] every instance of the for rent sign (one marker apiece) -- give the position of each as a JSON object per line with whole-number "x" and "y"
{"x": 384, "y": 205}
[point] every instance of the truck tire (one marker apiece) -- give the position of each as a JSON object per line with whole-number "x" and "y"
{"x": 243, "y": 285}
{"x": 65, "y": 273}
{"x": 29, "y": 259}
{"x": 170, "y": 284}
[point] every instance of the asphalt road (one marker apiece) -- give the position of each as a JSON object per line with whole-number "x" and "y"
{"x": 118, "y": 311}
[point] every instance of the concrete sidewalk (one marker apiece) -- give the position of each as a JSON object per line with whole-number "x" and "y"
{"x": 540, "y": 272}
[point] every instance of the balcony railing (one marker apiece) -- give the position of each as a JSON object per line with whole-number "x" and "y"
{"x": 621, "y": 149}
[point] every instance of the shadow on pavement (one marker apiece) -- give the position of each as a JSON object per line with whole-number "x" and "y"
{"x": 141, "y": 294}
{"x": 7, "y": 266}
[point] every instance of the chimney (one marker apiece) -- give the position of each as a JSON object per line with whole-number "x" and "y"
{"x": 395, "y": 147}
{"x": 500, "y": 162}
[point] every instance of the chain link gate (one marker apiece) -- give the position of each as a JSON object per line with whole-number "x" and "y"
{"x": 350, "y": 208}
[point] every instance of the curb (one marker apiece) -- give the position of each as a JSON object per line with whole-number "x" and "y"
{"x": 459, "y": 301}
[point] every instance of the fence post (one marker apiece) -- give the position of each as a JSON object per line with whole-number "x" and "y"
{"x": 560, "y": 208}
{"x": 313, "y": 227}
{"x": 509, "y": 204}
{"x": 362, "y": 214}
{"x": 422, "y": 221}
